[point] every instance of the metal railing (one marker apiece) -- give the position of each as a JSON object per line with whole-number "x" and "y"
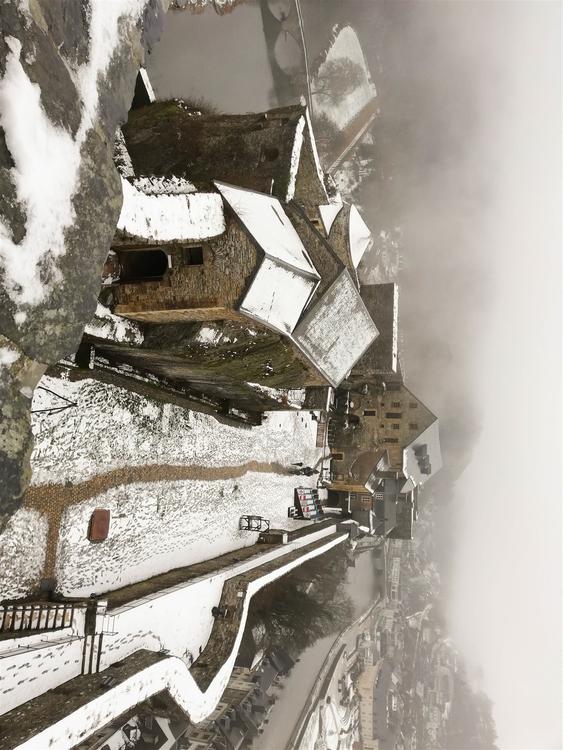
{"x": 21, "y": 619}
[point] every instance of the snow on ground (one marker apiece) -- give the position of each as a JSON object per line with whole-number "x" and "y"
{"x": 22, "y": 552}
{"x": 208, "y": 335}
{"x": 106, "y": 325}
{"x": 342, "y": 111}
{"x": 176, "y": 216}
{"x": 164, "y": 525}
{"x": 293, "y": 397}
{"x": 47, "y": 157}
{"x": 112, "y": 428}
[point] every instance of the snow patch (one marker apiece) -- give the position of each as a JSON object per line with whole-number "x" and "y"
{"x": 8, "y": 356}
{"x": 295, "y": 158}
{"x": 292, "y": 397}
{"x": 359, "y": 235}
{"x": 121, "y": 156}
{"x": 207, "y": 335}
{"x": 163, "y": 217}
{"x": 106, "y": 325}
{"x": 47, "y": 157}
{"x": 329, "y": 213}
{"x": 164, "y": 185}
{"x": 22, "y": 553}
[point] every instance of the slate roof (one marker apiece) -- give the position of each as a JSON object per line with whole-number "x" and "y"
{"x": 405, "y": 521}
{"x": 337, "y": 330}
{"x": 424, "y": 451}
{"x": 382, "y": 302}
{"x": 286, "y": 278}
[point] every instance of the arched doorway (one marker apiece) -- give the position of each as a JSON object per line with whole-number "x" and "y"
{"x": 142, "y": 265}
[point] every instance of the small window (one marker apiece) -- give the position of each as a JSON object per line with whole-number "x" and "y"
{"x": 393, "y": 415}
{"x": 338, "y": 456}
{"x": 316, "y": 223}
{"x": 413, "y": 405}
{"x": 396, "y": 426}
{"x": 390, "y": 440}
{"x": 193, "y": 256}
{"x": 413, "y": 426}
{"x": 396, "y": 404}
{"x": 369, "y": 413}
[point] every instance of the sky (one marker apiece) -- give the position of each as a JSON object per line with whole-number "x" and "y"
{"x": 470, "y": 142}
{"x": 468, "y": 155}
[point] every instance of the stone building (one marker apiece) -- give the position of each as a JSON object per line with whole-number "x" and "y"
{"x": 395, "y": 420}
{"x": 226, "y": 219}
{"x": 385, "y": 445}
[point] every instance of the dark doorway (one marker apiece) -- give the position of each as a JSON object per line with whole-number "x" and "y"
{"x": 142, "y": 265}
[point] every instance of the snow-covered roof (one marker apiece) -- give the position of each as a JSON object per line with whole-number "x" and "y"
{"x": 422, "y": 458}
{"x": 165, "y": 217}
{"x": 360, "y": 236}
{"x": 269, "y": 225}
{"x": 337, "y": 330}
{"x": 329, "y": 212}
{"x": 278, "y": 295}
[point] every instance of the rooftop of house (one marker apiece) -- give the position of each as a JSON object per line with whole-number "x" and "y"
{"x": 367, "y": 466}
{"x": 359, "y": 235}
{"x": 386, "y": 514}
{"x": 336, "y": 330}
{"x": 286, "y": 278}
{"x": 329, "y": 212}
{"x": 422, "y": 458}
{"x": 382, "y": 301}
{"x": 266, "y": 151}
{"x": 405, "y": 521}
{"x": 167, "y": 210}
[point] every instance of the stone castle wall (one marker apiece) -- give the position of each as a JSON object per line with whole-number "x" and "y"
{"x": 209, "y": 291}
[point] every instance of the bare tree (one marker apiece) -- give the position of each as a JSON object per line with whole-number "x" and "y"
{"x": 338, "y": 78}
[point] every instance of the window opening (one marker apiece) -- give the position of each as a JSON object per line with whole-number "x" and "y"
{"x": 193, "y": 256}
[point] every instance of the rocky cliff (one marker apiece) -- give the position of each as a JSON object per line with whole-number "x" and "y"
{"x": 67, "y": 77}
